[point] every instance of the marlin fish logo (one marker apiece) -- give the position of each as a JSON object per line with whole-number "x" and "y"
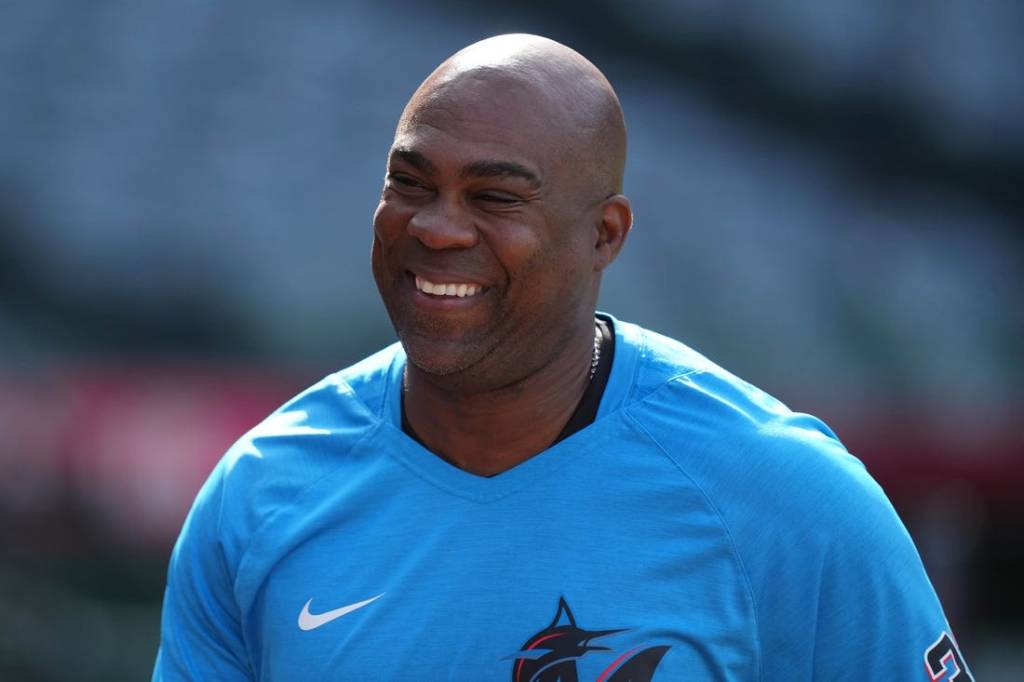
{"x": 551, "y": 654}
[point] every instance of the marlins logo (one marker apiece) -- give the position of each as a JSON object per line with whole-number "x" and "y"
{"x": 551, "y": 654}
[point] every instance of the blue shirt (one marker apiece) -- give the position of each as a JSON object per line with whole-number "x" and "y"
{"x": 697, "y": 530}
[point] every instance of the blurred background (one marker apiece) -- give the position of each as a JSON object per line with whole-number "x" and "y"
{"x": 829, "y": 203}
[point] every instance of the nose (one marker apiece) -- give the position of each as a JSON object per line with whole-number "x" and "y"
{"x": 443, "y": 224}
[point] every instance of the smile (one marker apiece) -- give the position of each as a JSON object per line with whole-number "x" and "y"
{"x": 461, "y": 290}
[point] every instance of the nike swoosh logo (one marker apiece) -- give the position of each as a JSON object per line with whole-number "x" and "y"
{"x": 311, "y": 621}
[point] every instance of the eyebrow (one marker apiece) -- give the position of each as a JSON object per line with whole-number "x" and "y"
{"x": 494, "y": 169}
{"x": 476, "y": 169}
{"x": 415, "y": 159}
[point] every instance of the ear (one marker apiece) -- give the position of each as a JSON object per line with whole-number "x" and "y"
{"x": 614, "y": 222}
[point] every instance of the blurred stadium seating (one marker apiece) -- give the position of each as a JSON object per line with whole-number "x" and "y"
{"x": 828, "y": 199}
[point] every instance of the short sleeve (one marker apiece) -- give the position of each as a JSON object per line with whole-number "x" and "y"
{"x": 201, "y": 636}
{"x": 845, "y": 594}
{"x": 878, "y": 616}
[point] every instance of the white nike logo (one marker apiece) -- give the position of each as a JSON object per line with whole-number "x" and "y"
{"x": 311, "y": 621}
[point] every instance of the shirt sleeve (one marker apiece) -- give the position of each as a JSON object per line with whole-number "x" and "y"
{"x": 877, "y": 614}
{"x": 847, "y": 596}
{"x": 201, "y": 636}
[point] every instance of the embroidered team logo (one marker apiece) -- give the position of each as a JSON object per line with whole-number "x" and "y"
{"x": 551, "y": 654}
{"x": 943, "y": 661}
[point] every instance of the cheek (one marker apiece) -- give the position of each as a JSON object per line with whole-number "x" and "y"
{"x": 388, "y": 223}
{"x": 546, "y": 271}
{"x": 513, "y": 245}
{"x": 566, "y": 268}
{"x": 386, "y": 230}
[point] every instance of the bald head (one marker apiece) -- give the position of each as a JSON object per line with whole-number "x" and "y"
{"x": 562, "y": 90}
{"x": 503, "y": 179}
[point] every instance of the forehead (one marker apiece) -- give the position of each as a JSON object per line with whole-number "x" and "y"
{"x": 475, "y": 119}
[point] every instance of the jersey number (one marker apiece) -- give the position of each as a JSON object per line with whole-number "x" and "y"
{"x": 938, "y": 658}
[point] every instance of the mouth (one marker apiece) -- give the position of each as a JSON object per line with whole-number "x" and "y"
{"x": 448, "y": 289}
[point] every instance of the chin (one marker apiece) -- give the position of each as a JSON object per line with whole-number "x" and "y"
{"x": 439, "y": 346}
{"x": 439, "y": 358}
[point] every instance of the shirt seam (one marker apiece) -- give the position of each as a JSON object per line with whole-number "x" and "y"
{"x": 222, "y": 560}
{"x": 721, "y": 519}
{"x": 283, "y": 508}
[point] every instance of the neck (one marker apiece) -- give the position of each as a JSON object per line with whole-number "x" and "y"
{"x": 487, "y": 432}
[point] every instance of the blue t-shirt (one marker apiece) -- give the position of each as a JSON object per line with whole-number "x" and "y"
{"x": 696, "y": 530}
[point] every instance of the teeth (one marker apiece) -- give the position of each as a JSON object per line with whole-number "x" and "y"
{"x": 460, "y": 290}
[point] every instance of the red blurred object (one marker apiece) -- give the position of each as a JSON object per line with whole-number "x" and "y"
{"x": 133, "y": 444}
{"x": 913, "y": 456}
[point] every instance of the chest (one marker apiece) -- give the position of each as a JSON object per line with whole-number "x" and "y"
{"x": 561, "y": 582}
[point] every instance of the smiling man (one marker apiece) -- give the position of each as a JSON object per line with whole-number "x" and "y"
{"x": 501, "y": 207}
{"x": 522, "y": 488}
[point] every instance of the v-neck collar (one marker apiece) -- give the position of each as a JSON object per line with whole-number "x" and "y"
{"x": 456, "y": 481}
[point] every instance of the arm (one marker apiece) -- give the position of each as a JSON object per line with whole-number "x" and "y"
{"x": 201, "y": 636}
{"x": 877, "y": 612}
{"x": 854, "y": 595}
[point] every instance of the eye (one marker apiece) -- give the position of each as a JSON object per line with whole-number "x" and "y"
{"x": 498, "y": 198}
{"x": 405, "y": 183}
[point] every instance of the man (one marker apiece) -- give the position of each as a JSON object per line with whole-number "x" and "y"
{"x": 520, "y": 490}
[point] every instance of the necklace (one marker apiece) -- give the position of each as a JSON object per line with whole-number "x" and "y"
{"x": 595, "y": 357}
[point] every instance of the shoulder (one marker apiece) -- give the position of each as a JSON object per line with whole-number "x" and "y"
{"x": 308, "y": 438}
{"x": 746, "y": 450}
{"x": 689, "y": 381}
{"x": 826, "y": 558}
{"x": 317, "y": 426}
